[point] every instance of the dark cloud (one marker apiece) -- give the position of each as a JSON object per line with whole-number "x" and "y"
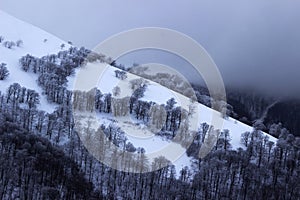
{"x": 255, "y": 43}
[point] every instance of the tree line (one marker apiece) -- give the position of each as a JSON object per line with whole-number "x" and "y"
{"x": 63, "y": 168}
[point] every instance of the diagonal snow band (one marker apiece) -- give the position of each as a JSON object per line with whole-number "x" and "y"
{"x": 137, "y": 39}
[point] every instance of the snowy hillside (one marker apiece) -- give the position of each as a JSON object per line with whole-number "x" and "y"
{"x": 40, "y": 43}
{"x": 36, "y": 42}
{"x": 140, "y": 136}
{"x": 77, "y": 123}
{"x": 161, "y": 95}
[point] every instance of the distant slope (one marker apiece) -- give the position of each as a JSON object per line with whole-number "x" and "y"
{"x": 272, "y": 109}
{"x": 288, "y": 113}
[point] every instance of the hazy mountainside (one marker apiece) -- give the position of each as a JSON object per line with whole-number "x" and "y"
{"x": 248, "y": 104}
{"x": 288, "y": 113}
{"x": 38, "y": 132}
{"x": 250, "y": 107}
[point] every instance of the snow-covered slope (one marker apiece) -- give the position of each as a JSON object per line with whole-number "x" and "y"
{"x": 40, "y": 43}
{"x": 35, "y": 42}
{"x": 160, "y": 94}
{"x": 155, "y": 92}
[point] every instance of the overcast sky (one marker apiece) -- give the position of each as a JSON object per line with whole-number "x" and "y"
{"x": 253, "y": 42}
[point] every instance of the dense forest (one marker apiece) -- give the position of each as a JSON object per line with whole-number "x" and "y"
{"x": 42, "y": 156}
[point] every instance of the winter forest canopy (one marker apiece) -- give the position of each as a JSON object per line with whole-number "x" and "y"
{"x": 43, "y": 157}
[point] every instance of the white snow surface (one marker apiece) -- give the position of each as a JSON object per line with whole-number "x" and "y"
{"x": 140, "y": 136}
{"x": 33, "y": 38}
{"x": 13, "y": 29}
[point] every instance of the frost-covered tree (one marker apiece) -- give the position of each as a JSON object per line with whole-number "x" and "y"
{"x": 3, "y": 71}
{"x": 141, "y": 109}
{"x": 157, "y": 118}
{"x": 259, "y": 125}
{"x": 120, "y": 74}
{"x": 9, "y": 44}
{"x": 120, "y": 107}
{"x": 1, "y": 39}
{"x": 275, "y": 129}
{"x": 19, "y": 43}
{"x": 139, "y": 92}
{"x": 189, "y": 92}
{"x": 224, "y": 140}
{"x": 245, "y": 138}
{"x": 107, "y": 103}
{"x": 169, "y": 107}
{"x": 26, "y": 61}
{"x": 26, "y": 153}
{"x": 138, "y": 83}
{"x": 130, "y": 147}
{"x": 116, "y": 91}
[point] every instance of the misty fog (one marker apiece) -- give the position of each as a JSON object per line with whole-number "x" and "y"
{"x": 254, "y": 43}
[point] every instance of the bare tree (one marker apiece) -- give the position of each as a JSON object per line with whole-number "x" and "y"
{"x": 137, "y": 83}
{"x": 19, "y": 43}
{"x": 116, "y": 91}
{"x": 9, "y": 44}
{"x": 3, "y": 71}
